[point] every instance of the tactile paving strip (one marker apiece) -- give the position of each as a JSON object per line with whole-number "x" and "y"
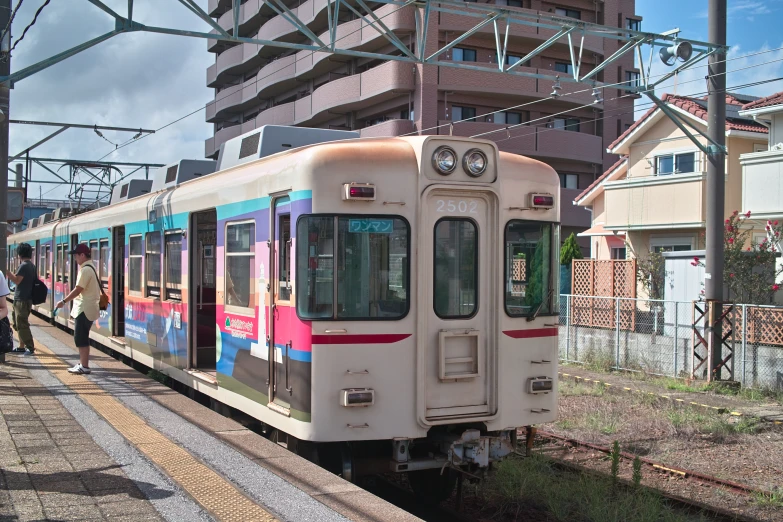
{"x": 208, "y": 488}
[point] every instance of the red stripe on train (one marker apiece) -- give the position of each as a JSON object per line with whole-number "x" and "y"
{"x": 528, "y": 334}
{"x": 359, "y": 338}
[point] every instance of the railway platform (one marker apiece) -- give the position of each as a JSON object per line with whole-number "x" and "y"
{"x": 117, "y": 445}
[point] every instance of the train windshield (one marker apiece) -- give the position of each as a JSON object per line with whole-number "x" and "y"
{"x": 529, "y": 280}
{"x": 359, "y": 261}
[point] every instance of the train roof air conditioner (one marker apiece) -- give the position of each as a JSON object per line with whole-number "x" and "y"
{"x": 32, "y": 222}
{"x": 131, "y": 189}
{"x": 60, "y": 213}
{"x": 271, "y": 139}
{"x": 185, "y": 170}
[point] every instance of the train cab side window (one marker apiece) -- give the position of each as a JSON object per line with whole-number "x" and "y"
{"x": 284, "y": 259}
{"x": 152, "y": 263}
{"x": 174, "y": 266}
{"x": 135, "y": 264}
{"x": 370, "y": 278}
{"x": 66, "y": 262}
{"x": 58, "y": 269}
{"x": 529, "y": 280}
{"x": 240, "y": 282}
{"x": 456, "y": 268}
{"x": 104, "y": 262}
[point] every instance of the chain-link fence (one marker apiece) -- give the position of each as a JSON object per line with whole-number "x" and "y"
{"x": 657, "y": 337}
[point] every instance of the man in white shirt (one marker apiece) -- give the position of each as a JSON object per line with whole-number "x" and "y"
{"x": 85, "y": 311}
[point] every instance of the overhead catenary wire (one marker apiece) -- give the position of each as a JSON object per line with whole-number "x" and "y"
{"x": 35, "y": 19}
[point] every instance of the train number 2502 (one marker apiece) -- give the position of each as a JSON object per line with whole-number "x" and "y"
{"x": 464, "y": 207}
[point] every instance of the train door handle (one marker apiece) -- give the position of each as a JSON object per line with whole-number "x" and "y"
{"x": 288, "y": 388}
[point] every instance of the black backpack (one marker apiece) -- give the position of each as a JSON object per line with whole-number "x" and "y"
{"x": 39, "y": 292}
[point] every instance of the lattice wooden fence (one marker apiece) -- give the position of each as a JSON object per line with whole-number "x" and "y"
{"x": 764, "y": 325}
{"x": 599, "y": 281}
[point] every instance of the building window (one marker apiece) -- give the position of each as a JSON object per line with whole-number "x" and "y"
{"x": 618, "y": 253}
{"x": 456, "y": 268}
{"x": 569, "y": 181}
{"x": 569, "y": 124}
{"x": 671, "y": 244}
{"x": 570, "y": 13}
{"x": 514, "y": 3}
{"x": 173, "y": 259}
{"x": 675, "y": 164}
{"x": 370, "y": 278}
{"x": 135, "y": 264}
{"x": 104, "y": 263}
{"x": 240, "y": 261}
{"x": 633, "y": 24}
{"x": 407, "y": 115}
{"x": 460, "y": 54}
{"x": 528, "y": 270}
{"x": 459, "y": 113}
{"x": 564, "y": 67}
{"x": 512, "y": 59}
{"x": 152, "y": 261}
{"x": 508, "y": 118}
{"x": 632, "y": 79}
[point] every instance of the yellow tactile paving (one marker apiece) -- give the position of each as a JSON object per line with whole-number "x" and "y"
{"x": 208, "y": 488}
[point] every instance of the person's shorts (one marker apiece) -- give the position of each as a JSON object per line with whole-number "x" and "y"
{"x": 81, "y": 331}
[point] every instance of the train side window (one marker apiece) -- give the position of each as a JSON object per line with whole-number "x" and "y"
{"x": 66, "y": 262}
{"x": 315, "y": 267}
{"x": 135, "y": 257}
{"x": 104, "y": 262}
{"x": 42, "y": 262}
{"x": 456, "y": 268}
{"x": 370, "y": 278}
{"x": 58, "y": 263}
{"x": 95, "y": 254}
{"x": 239, "y": 283}
{"x": 284, "y": 259}
{"x": 152, "y": 264}
{"x": 173, "y": 257}
{"x": 528, "y": 270}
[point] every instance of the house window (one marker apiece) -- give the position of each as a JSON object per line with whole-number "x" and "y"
{"x": 632, "y": 79}
{"x": 570, "y": 13}
{"x": 134, "y": 264}
{"x": 459, "y": 113}
{"x": 564, "y": 67}
{"x": 152, "y": 261}
{"x": 760, "y": 147}
{"x": 618, "y": 253}
{"x": 671, "y": 244}
{"x": 570, "y": 124}
{"x": 675, "y": 164}
{"x": 633, "y": 24}
{"x": 569, "y": 181}
{"x": 460, "y": 54}
{"x": 240, "y": 262}
{"x": 507, "y": 118}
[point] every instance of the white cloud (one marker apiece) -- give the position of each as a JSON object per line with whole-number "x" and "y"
{"x": 132, "y": 80}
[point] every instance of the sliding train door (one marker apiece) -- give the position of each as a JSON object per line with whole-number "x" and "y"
{"x": 118, "y": 282}
{"x": 202, "y": 290}
{"x": 281, "y": 307}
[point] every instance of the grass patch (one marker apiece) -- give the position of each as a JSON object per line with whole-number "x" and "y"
{"x": 568, "y": 496}
{"x": 568, "y": 388}
{"x": 602, "y": 422}
{"x": 673, "y": 384}
{"x": 771, "y": 499}
{"x": 687, "y": 421}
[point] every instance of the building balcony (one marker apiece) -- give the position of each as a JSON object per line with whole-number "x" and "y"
{"x": 352, "y": 35}
{"x": 212, "y": 145}
{"x": 538, "y": 142}
{"x": 656, "y": 202}
{"x": 347, "y": 94}
{"x": 388, "y": 128}
{"x": 762, "y": 183}
{"x": 570, "y": 214}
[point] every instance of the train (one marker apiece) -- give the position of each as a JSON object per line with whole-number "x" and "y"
{"x": 377, "y": 304}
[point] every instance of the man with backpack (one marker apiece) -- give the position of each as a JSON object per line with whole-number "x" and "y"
{"x": 24, "y": 279}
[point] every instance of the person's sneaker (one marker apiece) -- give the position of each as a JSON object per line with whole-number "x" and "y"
{"x": 18, "y": 349}
{"x": 28, "y": 352}
{"x": 79, "y": 370}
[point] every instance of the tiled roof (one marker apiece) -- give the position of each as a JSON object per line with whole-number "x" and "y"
{"x": 772, "y": 99}
{"x": 698, "y": 107}
{"x": 602, "y": 177}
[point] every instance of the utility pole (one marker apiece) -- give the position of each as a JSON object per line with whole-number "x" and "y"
{"x": 716, "y": 186}
{"x": 5, "y": 91}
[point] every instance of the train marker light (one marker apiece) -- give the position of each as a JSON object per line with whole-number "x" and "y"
{"x": 539, "y": 385}
{"x": 543, "y": 201}
{"x": 474, "y": 162}
{"x": 357, "y": 397}
{"x": 444, "y": 160}
{"x": 359, "y": 191}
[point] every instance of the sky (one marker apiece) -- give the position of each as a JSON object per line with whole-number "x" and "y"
{"x": 150, "y": 80}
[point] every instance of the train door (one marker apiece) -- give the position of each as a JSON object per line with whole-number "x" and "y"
{"x": 280, "y": 305}
{"x": 118, "y": 281}
{"x": 460, "y": 270}
{"x": 202, "y": 294}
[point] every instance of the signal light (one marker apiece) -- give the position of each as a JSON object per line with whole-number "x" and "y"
{"x": 543, "y": 201}
{"x": 359, "y": 191}
{"x": 538, "y": 385}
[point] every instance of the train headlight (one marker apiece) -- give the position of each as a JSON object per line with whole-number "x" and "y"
{"x": 538, "y": 385}
{"x": 474, "y": 162}
{"x": 444, "y": 160}
{"x": 357, "y": 397}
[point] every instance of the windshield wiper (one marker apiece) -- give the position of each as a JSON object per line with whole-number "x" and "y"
{"x": 533, "y": 316}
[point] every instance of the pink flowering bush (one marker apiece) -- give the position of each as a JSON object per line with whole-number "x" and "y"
{"x": 750, "y": 271}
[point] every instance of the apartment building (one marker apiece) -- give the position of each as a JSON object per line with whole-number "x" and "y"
{"x": 259, "y": 85}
